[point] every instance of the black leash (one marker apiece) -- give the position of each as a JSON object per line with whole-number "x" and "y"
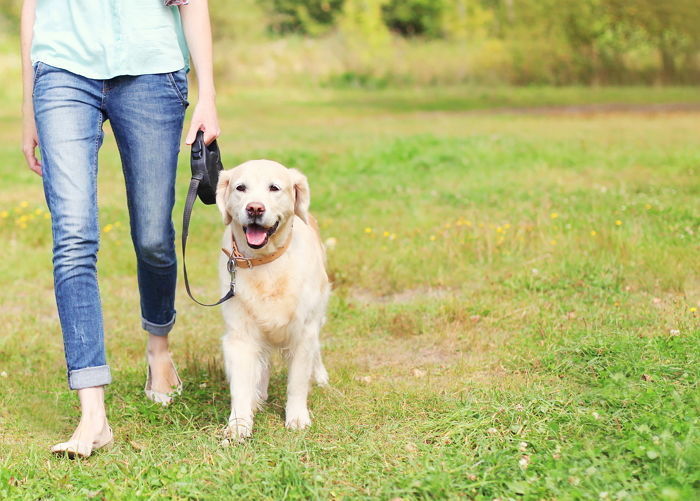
{"x": 206, "y": 164}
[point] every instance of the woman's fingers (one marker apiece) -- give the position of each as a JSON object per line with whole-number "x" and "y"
{"x": 29, "y": 150}
{"x": 210, "y": 134}
{"x": 192, "y": 133}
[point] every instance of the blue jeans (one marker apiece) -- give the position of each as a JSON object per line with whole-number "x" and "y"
{"x": 147, "y": 114}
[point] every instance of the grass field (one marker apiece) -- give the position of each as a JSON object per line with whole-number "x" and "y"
{"x": 515, "y": 309}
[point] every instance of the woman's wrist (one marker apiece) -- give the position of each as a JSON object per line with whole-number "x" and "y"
{"x": 207, "y": 96}
{"x": 28, "y": 109}
{"x": 206, "y": 93}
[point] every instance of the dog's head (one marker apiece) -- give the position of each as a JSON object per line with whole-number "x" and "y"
{"x": 259, "y": 198}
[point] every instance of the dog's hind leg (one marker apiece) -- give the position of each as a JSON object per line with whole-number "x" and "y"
{"x": 264, "y": 380}
{"x": 320, "y": 374}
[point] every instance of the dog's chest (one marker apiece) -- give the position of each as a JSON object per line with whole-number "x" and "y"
{"x": 271, "y": 300}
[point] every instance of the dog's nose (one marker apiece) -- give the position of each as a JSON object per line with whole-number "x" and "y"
{"x": 255, "y": 209}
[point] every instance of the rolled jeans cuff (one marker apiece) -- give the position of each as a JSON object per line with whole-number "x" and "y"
{"x": 158, "y": 329}
{"x": 89, "y": 377}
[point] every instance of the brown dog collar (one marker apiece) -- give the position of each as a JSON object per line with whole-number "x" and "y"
{"x": 244, "y": 262}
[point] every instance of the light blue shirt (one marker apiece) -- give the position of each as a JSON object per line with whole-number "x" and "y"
{"x": 102, "y": 39}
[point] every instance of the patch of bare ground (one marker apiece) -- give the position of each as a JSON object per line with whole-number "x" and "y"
{"x": 449, "y": 355}
{"x": 365, "y": 296}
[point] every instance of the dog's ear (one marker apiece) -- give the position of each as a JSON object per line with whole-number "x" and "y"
{"x": 223, "y": 188}
{"x": 302, "y": 194}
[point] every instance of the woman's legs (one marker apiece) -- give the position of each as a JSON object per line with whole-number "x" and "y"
{"x": 69, "y": 122}
{"x": 147, "y": 114}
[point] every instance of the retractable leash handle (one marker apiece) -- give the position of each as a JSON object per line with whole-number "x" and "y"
{"x": 205, "y": 162}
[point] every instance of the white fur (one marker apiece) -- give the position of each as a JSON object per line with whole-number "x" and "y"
{"x": 280, "y": 304}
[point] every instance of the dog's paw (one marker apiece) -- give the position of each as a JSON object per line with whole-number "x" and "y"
{"x": 298, "y": 419}
{"x": 320, "y": 376}
{"x": 237, "y": 431}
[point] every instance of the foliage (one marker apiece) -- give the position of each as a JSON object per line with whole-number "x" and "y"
{"x": 415, "y": 17}
{"x": 311, "y": 17}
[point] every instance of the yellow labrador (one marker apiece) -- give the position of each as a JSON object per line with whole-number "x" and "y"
{"x": 280, "y": 303}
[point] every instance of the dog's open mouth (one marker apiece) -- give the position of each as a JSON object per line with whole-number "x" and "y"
{"x": 257, "y": 236}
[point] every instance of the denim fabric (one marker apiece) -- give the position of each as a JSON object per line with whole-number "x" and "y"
{"x": 146, "y": 113}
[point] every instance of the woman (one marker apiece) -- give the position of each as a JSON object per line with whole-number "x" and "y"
{"x": 125, "y": 61}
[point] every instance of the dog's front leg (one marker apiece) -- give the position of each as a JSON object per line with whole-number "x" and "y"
{"x": 301, "y": 360}
{"x": 242, "y": 358}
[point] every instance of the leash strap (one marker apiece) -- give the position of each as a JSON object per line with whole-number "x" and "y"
{"x": 231, "y": 265}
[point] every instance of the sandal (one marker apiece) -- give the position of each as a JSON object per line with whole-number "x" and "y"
{"x": 164, "y": 399}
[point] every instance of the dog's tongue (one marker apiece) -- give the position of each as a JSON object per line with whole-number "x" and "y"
{"x": 255, "y": 234}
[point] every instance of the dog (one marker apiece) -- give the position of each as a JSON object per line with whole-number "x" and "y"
{"x": 279, "y": 303}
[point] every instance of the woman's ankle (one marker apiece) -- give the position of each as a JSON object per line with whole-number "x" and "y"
{"x": 92, "y": 403}
{"x": 157, "y": 345}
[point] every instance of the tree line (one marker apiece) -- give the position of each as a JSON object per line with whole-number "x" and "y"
{"x": 535, "y": 41}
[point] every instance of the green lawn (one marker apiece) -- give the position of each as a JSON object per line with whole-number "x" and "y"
{"x": 515, "y": 309}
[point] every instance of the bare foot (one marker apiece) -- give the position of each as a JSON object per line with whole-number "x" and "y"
{"x": 93, "y": 431}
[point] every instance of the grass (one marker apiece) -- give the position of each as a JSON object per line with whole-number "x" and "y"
{"x": 515, "y": 309}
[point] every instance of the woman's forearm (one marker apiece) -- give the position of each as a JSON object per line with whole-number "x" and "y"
{"x": 26, "y": 34}
{"x": 197, "y": 28}
{"x": 195, "y": 22}
{"x": 30, "y": 139}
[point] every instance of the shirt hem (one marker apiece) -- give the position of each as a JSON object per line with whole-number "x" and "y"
{"x": 78, "y": 70}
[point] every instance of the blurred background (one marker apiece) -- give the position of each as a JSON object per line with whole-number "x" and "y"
{"x": 380, "y": 43}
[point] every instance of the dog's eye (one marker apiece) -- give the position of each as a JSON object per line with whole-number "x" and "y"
{"x": 240, "y": 187}
{"x": 274, "y": 187}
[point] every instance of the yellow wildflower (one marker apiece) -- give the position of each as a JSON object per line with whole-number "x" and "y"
{"x": 554, "y": 215}
{"x": 4, "y": 214}
{"x": 618, "y": 223}
{"x": 386, "y": 233}
{"x": 553, "y": 242}
{"x": 432, "y": 237}
{"x": 24, "y": 204}
{"x": 107, "y": 228}
{"x": 593, "y": 233}
{"x": 368, "y": 230}
{"x": 693, "y": 309}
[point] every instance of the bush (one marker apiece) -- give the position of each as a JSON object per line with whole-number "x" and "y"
{"x": 309, "y": 17}
{"x": 415, "y": 17}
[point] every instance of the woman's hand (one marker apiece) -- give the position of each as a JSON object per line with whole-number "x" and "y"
{"x": 30, "y": 140}
{"x": 204, "y": 118}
